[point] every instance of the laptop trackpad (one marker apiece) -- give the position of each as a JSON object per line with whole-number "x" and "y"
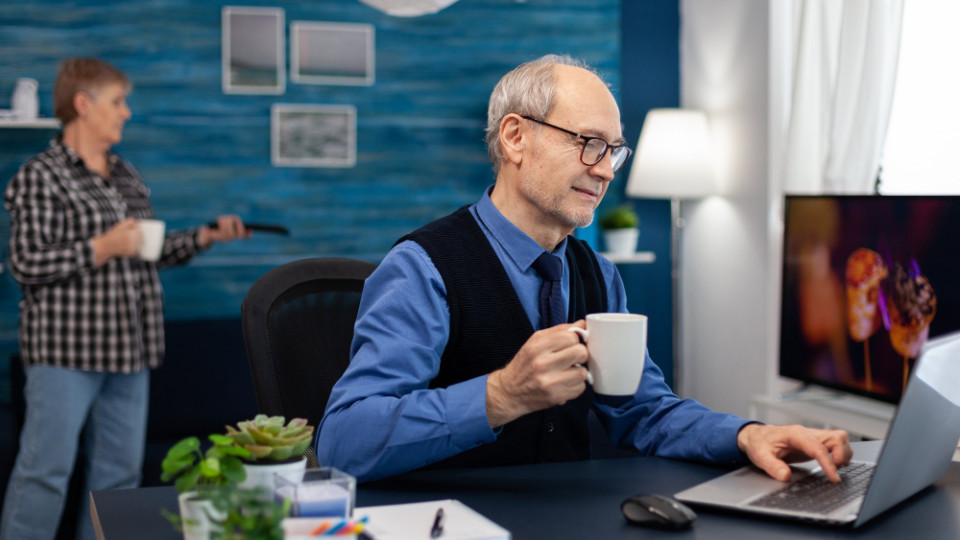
{"x": 740, "y": 486}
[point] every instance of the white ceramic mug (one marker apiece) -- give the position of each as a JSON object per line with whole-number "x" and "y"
{"x": 153, "y": 235}
{"x": 617, "y": 343}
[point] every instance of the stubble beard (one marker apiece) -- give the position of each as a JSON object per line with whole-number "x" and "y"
{"x": 580, "y": 219}
{"x": 555, "y": 207}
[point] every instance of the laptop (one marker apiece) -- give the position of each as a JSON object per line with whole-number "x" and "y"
{"x": 917, "y": 452}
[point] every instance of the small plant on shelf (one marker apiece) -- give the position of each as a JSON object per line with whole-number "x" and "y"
{"x": 620, "y": 231}
{"x": 621, "y": 217}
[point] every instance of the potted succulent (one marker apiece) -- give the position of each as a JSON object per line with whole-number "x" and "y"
{"x": 620, "y": 230}
{"x": 197, "y": 476}
{"x": 273, "y": 445}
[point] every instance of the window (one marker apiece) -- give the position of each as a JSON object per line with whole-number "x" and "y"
{"x": 922, "y": 152}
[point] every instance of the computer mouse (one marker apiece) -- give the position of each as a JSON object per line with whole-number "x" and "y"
{"x": 657, "y": 511}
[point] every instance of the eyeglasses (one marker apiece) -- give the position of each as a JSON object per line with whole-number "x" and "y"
{"x": 594, "y": 148}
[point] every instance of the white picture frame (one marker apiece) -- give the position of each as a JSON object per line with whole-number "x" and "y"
{"x": 332, "y": 53}
{"x": 313, "y": 135}
{"x": 253, "y": 50}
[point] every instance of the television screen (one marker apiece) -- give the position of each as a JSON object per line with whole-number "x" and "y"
{"x": 867, "y": 280}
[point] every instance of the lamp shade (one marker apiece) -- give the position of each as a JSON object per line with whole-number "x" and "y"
{"x": 674, "y": 157}
{"x": 408, "y": 8}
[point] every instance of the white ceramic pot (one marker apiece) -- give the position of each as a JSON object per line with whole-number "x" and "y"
{"x": 621, "y": 241}
{"x": 261, "y": 475}
{"x": 199, "y": 516}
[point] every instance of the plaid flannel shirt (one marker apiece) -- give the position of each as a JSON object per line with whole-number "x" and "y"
{"x": 72, "y": 314}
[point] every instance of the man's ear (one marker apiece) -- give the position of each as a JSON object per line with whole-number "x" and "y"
{"x": 512, "y": 142}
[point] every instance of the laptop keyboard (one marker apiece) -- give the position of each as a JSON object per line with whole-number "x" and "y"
{"x": 818, "y": 495}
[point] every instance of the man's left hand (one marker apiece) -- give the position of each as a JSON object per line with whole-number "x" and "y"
{"x": 228, "y": 228}
{"x": 772, "y": 447}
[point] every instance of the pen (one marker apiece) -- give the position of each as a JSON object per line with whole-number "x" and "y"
{"x": 437, "y": 530}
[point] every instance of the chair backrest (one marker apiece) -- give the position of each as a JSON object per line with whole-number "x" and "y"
{"x": 297, "y": 327}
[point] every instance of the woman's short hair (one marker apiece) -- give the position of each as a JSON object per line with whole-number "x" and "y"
{"x": 81, "y": 75}
{"x": 529, "y": 89}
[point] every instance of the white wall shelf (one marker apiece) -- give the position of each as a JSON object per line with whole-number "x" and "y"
{"x": 640, "y": 257}
{"x": 33, "y": 123}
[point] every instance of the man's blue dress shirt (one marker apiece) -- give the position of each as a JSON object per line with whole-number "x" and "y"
{"x": 382, "y": 419}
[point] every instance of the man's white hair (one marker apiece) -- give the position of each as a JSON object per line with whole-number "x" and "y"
{"x": 527, "y": 90}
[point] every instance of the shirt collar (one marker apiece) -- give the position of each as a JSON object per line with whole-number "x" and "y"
{"x": 57, "y": 144}
{"x": 74, "y": 158}
{"x": 521, "y": 249}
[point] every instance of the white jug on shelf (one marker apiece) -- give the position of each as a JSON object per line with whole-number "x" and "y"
{"x": 24, "y": 100}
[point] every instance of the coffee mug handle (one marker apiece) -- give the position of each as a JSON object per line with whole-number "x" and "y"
{"x": 584, "y": 334}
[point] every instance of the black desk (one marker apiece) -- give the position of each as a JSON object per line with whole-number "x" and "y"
{"x": 570, "y": 500}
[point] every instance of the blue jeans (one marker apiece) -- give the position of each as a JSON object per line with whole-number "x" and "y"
{"x": 60, "y": 402}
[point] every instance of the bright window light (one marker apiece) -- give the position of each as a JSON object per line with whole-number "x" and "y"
{"x": 923, "y": 140}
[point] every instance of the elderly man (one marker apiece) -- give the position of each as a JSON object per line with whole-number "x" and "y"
{"x": 452, "y": 363}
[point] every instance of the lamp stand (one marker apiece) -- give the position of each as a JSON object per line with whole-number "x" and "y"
{"x": 676, "y": 223}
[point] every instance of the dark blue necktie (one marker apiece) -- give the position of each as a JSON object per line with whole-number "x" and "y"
{"x": 551, "y": 301}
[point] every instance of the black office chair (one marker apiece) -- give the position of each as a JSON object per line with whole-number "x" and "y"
{"x": 297, "y": 327}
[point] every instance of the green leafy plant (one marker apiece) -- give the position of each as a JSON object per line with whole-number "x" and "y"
{"x": 268, "y": 439}
{"x": 250, "y": 515}
{"x": 220, "y": 465}
{"x": 241, "y": 514}
{"x": 621, "y": 217}
{"x": 214, "y": 474}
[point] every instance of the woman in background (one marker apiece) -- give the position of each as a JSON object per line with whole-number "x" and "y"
{"x": 91, "y": 316}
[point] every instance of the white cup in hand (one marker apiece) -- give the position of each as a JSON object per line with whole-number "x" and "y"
{"x": 617, "y": 343}
{"x": 153, "y": 235}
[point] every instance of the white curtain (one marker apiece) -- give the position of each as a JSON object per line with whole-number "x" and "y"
{"x": 841, "y": 65}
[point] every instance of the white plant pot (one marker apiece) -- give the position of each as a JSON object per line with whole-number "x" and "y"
{"x": 199, "y": 516}
{"x": 261, "y": 475}
{"x": 621, "y": 241}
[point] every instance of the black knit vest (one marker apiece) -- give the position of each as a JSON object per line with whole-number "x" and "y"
{"x": 488, "y": 325}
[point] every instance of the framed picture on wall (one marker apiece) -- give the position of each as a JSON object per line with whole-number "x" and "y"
{"x": 331, "y": 53}
{"x": 313, "y": 135}
{"x": 253, "y": 50}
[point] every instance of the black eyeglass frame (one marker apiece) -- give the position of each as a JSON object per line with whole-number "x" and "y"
{"x": 586, "y": 140}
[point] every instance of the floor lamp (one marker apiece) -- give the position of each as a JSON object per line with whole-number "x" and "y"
{"x": 674, "y": 160}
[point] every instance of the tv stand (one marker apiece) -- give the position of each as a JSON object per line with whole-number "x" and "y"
{"x": 814, "y": 406}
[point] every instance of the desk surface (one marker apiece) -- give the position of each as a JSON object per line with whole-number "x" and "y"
{"x": 569, "y": 500}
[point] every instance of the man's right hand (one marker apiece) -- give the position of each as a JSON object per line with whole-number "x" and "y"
{"x": 548, "y": 370}
{"x": 122, "y": 240}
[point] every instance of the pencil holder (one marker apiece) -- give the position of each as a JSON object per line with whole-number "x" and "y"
{"x": 321, "y": 492}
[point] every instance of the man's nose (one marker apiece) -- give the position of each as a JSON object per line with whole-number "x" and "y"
{"x": 604, "y": 168}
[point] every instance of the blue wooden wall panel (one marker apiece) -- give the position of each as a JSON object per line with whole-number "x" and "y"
{"x": 420, "y": 150}
{"x": 650, "y": 78}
